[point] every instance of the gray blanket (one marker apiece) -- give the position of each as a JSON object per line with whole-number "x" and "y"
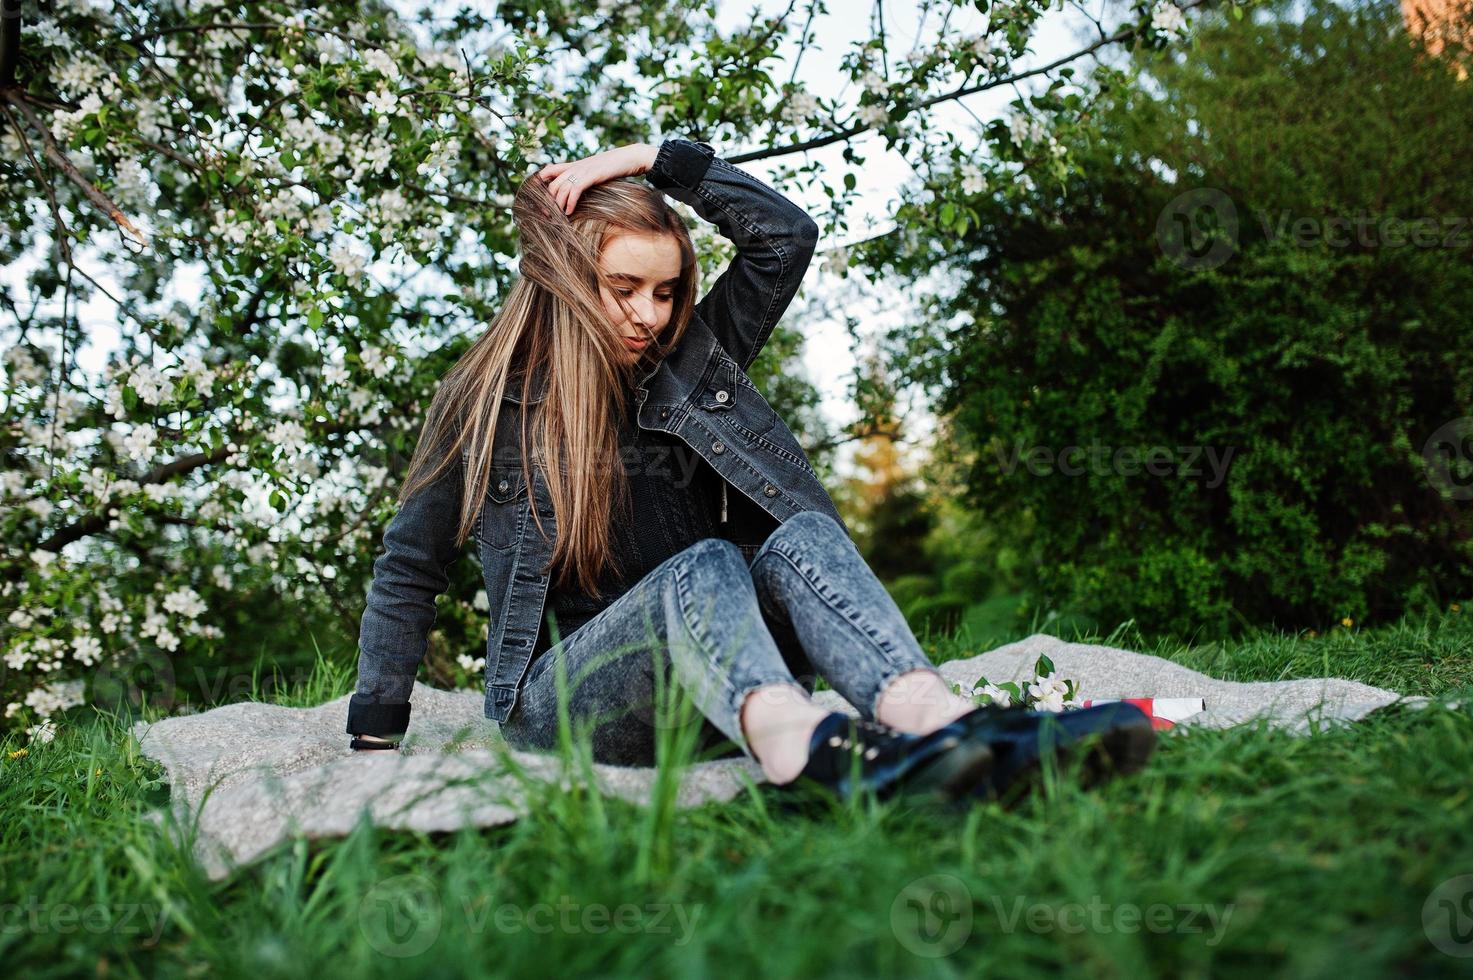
{"x": 248, "y": 776}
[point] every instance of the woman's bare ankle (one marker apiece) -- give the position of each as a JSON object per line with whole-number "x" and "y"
{"x": 920, "y": 701}
{"x": 777, "y": 720}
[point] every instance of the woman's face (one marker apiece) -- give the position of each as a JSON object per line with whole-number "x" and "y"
{"x": 645, "y": 269}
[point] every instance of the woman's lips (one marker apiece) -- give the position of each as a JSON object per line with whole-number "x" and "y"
{"x": 637, "y": 343}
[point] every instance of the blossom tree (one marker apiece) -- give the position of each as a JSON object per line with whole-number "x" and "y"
{"x": 283, "y": 223}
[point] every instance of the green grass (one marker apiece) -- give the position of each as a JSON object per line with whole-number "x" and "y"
{"x": 1238, "y": 852}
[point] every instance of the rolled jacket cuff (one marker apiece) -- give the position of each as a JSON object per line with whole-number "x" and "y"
{"x": 680, "y": 163}
{"x": 369, "y": 717}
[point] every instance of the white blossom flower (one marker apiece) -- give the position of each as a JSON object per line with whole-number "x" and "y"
{"x": 798, "y": 107}
{"x": 377, "y": 363}
{"x": 347, "y": 262}
{"x": 873, "y": 82}
{"x": 51, "y": 699}
{"x": 382, "y": 102}
{"x": 383, "y": 63}
{"x": 185, "y": 602}
{"x": 836, "y": 261}
{"x": 974, "y": 179}
{"x": 203, "y": 375}
{"x": 873, "y": 115}
{"x": 288, "y": 434}
{"x": 87, "y": 650}
{"x": 997, "y": 695}
{"x": 1168, "y": 18}
{"x": 22, "y": 367}
{"x": 42, "y": 733}
{"x": 152, "y": 385}
{"x": 140, "y": 442}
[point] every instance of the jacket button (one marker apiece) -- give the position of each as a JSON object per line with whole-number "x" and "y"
{"x": 718, "y": 447}
{"x": 722, "y": 396}
{"x": 502, "y": 486}
{"x": 770, "y": 490}
{"x": 664, "y": 413}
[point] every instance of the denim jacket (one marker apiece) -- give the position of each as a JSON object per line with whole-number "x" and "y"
{"x": 699, "y": 392}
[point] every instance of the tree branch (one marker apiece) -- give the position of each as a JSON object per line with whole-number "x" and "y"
{"x": 850, "y": 132}
{"x": 54, "y": 153}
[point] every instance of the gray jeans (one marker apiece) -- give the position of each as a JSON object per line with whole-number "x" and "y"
{"x": 708, "y": 621}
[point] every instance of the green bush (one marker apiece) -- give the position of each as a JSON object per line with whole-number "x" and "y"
{"x": 1293, "y": 378}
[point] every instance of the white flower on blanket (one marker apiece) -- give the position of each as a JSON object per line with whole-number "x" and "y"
{"x": 1046, "y": 692}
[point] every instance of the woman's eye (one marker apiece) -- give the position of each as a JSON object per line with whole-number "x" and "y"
{"x": 662, "y": 298}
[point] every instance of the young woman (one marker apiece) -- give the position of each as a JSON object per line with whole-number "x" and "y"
{"x": 684, "y": 539}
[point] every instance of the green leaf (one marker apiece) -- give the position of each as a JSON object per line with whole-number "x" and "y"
{"x": 314, "y": 317}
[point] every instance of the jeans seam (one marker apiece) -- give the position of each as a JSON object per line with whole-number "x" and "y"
{"x": 678, "y": 570}
{"x": 859, "y": 621}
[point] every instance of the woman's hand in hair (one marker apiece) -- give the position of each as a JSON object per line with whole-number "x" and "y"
{"x": 565, "y": 181}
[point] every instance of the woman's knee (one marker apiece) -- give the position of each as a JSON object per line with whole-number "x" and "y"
{"x": 811, "y": 522}
{"x": 718, "y": 554}
{"x": 808, "y": 525}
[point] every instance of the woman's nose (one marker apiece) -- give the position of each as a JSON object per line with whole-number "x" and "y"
{"x": 644, "y": 312}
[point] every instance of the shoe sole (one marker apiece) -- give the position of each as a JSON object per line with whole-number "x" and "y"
{"x": 1116, "y": 751}
{"x": 951, "y": 777}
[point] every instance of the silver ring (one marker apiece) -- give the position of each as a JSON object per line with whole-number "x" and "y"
{"x": 571, "y": 180}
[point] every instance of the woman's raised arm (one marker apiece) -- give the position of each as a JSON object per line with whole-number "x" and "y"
{"x": 774, "y": 238}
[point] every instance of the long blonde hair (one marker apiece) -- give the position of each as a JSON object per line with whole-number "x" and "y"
{"x": 553, "y": 326}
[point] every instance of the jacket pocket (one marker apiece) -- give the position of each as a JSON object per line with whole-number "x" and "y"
{"x": 730, "y": 396}
{"x": 500, "y": 523}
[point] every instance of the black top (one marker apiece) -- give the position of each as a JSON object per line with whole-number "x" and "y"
{"x": 673, "y": 501}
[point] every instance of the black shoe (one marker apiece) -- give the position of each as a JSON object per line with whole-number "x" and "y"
{"x": 1113, "y": 739}
{"x": 944, "y": 766}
